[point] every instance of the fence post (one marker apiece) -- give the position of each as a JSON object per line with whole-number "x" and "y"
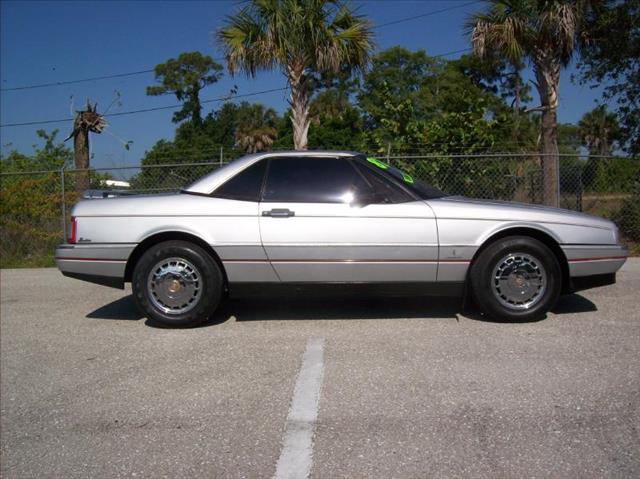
{"x": 221, "y": 155}
{"x": 580, "y": 189}
{"x": 389, "y": 153}
{"x": 64, "y": 207}
{"x": 557, "y": 205}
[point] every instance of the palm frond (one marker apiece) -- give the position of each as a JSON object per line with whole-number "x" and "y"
{"x": 530, "y": 28}
{"x": 246, "y": 43}
{"x": 320, "y": 34}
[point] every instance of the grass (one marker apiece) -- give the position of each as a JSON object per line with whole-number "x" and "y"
{"x": 634, "y": 249}
{"x": 31, "y": 261}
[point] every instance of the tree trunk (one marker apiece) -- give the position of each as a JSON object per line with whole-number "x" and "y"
{"x": 548, "y": 79}
{"x": 197, "y": 107}
{"x": 299, "y": 106}
{"x": 517, "y": 88}
{"x": 81, "y": 158}
{"x": 604, "y": 149}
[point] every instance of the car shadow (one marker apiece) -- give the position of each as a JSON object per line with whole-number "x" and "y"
{"x": 567, "y": 304}
{"x": 574, "y": 303}
{"x": 122, "y": 309}
{"x": 276, "y": 309}
{"x": 301, "y": 308}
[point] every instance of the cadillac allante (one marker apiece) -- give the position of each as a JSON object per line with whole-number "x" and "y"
{"x": 340, "y": 219}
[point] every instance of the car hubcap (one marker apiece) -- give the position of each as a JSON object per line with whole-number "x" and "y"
{"x": 174, "y": 285}
{"x": 519, "y": 281}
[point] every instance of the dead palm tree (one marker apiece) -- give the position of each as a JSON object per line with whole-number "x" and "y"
{"x": 85, "y": 122}
{"x": 547, "y": 33}
{"x": 299, "y": 37}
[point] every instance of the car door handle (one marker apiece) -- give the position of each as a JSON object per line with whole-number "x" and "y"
{"x": 279, "y": 213}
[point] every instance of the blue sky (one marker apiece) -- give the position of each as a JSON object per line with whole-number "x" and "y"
{"x": 42, "y": 41}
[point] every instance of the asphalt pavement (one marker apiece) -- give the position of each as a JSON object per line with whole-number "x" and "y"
{"x": 336, "y": 388}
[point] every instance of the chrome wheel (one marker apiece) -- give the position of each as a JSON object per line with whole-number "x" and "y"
{"x": 174, "y": 285}
{"x": 519, "y": 281}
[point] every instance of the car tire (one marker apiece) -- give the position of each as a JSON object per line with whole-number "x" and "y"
{"x": 177, "y": 283}
{"x": 516, "y": 278}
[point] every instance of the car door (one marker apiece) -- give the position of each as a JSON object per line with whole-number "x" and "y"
{"x": 236, "y": 233}
{"x": 323, "y": 220}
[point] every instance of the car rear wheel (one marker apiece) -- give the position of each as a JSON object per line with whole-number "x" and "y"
{"x": 516, "y": 278}
{"x": 177, "y": 283}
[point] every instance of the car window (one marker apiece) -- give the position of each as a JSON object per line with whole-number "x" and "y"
{"x": 313, "y": 180}
{"x": 415, "y": 186}
{"x": 244, "y": 186}
{"x": 383, "y": 188}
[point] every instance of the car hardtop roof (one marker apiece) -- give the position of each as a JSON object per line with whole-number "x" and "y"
{"x": 309, "y": 153}
{"x": 210, "y": 182}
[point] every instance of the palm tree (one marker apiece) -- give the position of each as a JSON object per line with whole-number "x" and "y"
{"x": 255, "y": 128}
{"x": 547, "y": 33}
{"x": 300, "y": 37}
{"x": 598, "y": 130}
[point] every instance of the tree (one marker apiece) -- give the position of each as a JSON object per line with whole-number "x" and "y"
{"x": 397, "y": 94}
{"x": 338, "y": 124}
{"x": 300, "y": 37}
{"x": 599, "y": 130}
{"x": 629, "y": 215}
{"x": 51, "y": 156}
{"x": 30, "y": 204}
{"x": 85, "y": 122}
{"x": 185, "y": 77}
{"x": 255, "y": 127}
{"x": 218, "y": 127}
{"x": 612, "y": 60}
{"x": 408, "y": 97}
{"x": 498, "y": 76}
{"x": 547, "y": 33}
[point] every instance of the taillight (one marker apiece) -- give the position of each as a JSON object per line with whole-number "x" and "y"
{"x": 74, "y": 230}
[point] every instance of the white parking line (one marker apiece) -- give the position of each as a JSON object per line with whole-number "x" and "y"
{"x": 297, "y": 447}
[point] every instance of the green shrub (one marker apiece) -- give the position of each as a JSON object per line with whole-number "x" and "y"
{"x": 628, "y": 218}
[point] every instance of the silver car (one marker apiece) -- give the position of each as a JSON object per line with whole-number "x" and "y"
{"x": 325, "y": 219}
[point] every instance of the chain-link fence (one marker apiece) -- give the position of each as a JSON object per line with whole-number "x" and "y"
{"x": 35, "y": 205}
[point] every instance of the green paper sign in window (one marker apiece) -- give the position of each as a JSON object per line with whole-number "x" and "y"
{"x": 378, "y": 163}
{"x": 407, "y": 177}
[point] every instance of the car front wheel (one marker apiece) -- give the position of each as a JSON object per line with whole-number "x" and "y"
{"x": 516, "y": 278}
{"x": 177, "y": 283}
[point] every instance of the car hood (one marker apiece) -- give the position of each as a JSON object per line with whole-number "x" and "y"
{"x": 460, "y": 207}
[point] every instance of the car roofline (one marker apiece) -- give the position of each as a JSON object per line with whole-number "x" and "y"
{"x": 307, "y": 153}
{"x": 208, "y": 183}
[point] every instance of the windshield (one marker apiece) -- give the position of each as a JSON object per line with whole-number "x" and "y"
{"x": 418, "y": 187}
